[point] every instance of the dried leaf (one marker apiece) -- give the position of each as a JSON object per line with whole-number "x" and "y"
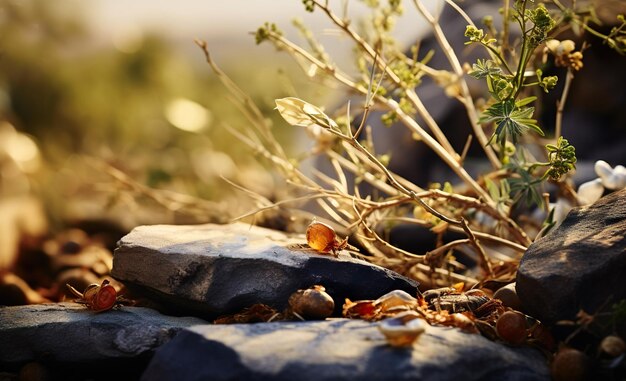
{"x": 257, "y": 313}
{"x": 362, "y": 309}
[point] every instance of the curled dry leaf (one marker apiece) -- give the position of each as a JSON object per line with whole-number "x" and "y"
{"x": 98, "y": 298}
{"x": 490, "y": 311}
{"x": 361, "y": 309}
{"x": 471, "y": 311}
{"x": 396, "y": 299}
{"x": 465, "y": 322}
{"x": 257, "y": 313}
{"x": 390, "y": 304}
{"x": 300, "y": 113}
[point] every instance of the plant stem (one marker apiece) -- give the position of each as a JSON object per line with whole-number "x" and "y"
{"x": 411, "y": 124}
{"x": 251, "y": 111}
{"x": 461, "y": 222}
{"x": 392, "y": 105}
{"x": 468, "y": 102}
{"x": 558, "y": 124}
{"x": 505, "y": 29}
{"x": 483, "y": 236}
{"x": 469, "y": 21}
{"x": 378, "y": 61}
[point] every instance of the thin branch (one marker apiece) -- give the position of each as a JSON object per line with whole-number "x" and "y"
{"x": 392, "y": 105}
{"x": 458, "y": 70}
{"x": 466, "y": 148}
{"x": 170, "y": 200}
{"x": 483, "y": 236}
{"x": 434, "y": 255}
{"x": 461, "y": 222}
{"x": 253, "y": 113}
{"x": 378, "y": 61}
{"x": 561, "y": 104}
{"x": 280, "y": 203}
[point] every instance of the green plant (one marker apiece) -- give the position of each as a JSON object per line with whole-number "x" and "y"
{"x": 386, "y": 79}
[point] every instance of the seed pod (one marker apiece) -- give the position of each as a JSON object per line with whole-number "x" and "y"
{"x": 321, "y": 237}
{"x": 511, "y": 327}
{"x": 569, "y": 364}
{"x": 312, "y": 304}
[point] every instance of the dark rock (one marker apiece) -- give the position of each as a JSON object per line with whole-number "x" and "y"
{"x": 69, "y": 336}
{"x": 579, "y": 265}
{"x": 211, "y": 270}
{"x": 337, "y": 349}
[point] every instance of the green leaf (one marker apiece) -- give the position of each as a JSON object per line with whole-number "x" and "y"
{"x": 493, "y": 189}
{"x": 525, "y": 101}
{"x": 511, "y": 121}
{"x": 619, "y": 313}
{"x": 525, "y": 188}
{"x": 485, "y": 68}
{"x": 562, "y": 156}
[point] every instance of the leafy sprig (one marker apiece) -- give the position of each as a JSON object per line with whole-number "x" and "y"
{"x": 512, "y": 120}
{"x": 562, "y": 158}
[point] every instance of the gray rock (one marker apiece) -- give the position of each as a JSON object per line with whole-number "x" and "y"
{"x": 335, "y": 350}
{"x": 211, "y": 270}
{"x": 69, "y": 333}
{"x": 579, "y": 265}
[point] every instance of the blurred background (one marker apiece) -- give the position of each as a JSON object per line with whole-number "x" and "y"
{"x": 125, "y": 84}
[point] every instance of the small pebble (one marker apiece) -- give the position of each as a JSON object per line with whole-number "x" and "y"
{"x": 508, "y": 296}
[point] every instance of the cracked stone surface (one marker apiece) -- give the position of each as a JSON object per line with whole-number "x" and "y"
{"x": 68, "y": 333}
{"x": 579, "y": 265}
{"x": 210, "y": 270}
{"x": 337, "y": 349}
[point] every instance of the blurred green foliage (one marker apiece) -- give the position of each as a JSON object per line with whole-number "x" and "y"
{"x": 78, "y": 96}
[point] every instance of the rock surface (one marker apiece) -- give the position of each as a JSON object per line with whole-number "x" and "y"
{"x": 68, "y": 333}
{"x": 579, "y": 265}
{"x": 337, "y": 349}
{"x": 211, "y": 270}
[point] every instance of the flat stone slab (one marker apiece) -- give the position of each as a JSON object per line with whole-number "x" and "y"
{"x": 579, "y": 265}
{"x": 211, "y": 270}
{"x": 68, "y": 333}
{"x": 337, "y": 349}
